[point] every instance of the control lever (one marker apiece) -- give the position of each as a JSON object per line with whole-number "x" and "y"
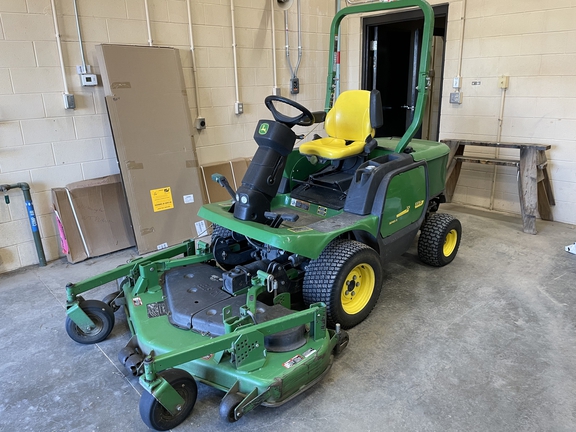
{"x": 221, "y": 180}
{"x": 277, "y": 219}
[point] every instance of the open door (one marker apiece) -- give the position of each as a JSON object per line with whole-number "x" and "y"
{"x": 392, "y": 44}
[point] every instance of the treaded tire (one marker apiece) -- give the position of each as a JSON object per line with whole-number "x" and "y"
{"x": 220, "y": 231}
{"x": 439, "y": 239}
{"x": 327, "y": 277}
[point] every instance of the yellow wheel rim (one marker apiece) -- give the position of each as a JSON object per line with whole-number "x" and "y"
{"x": 450, "y": 243}
{"x": 358, "y": 288}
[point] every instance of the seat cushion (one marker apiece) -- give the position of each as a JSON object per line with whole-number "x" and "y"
{"x": 332, "y": 148}
{"x": 347, "y": 124}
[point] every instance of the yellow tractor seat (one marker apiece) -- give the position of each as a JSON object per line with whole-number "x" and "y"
{"x": 350, "y": 126}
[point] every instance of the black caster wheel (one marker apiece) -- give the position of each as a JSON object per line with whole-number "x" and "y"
{"x": 159, "y": 418}
{"x": 110, "y": 300}
{"x": 228, "y": 405}
{"x": 103, "y": 317}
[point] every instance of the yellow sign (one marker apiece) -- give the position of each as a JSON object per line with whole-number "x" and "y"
{"x": 161, "y": 199}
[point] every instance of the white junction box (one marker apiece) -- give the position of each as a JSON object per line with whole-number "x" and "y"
{"x": 88, "y": 79}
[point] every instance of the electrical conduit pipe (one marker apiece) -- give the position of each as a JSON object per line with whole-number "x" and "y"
{"x": 31, "y": 216}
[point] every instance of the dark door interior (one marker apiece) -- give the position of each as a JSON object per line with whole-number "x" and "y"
{"x": 391, "y": 59}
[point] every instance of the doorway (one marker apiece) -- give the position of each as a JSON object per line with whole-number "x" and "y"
{"x": 391, "y": 51}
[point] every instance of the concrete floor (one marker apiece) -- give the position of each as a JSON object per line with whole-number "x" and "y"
{"x": 484, "y": 344}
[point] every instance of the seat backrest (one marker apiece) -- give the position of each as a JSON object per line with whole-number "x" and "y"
{"x": 350, "y": 117}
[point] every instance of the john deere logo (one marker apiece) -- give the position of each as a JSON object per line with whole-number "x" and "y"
{"x": 263, "y": 129}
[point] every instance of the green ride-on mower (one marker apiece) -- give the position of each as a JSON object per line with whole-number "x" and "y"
{"x": 295, "y": 257}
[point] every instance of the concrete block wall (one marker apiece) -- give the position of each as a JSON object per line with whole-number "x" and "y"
{"x": 47, "y": 146}
{"x": 532, "y": 43}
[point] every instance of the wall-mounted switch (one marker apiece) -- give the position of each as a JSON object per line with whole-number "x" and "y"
{"x": 238, "y": 108}
{"x": 88, "y": 79}
{"x": 456, "y": 82}
{"x": 503, "y": 81}
{"x": 295, "y": 85}
{"x": 69, "y": 102}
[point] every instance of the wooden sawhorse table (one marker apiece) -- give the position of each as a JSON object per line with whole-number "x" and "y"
{"x": 534, "y": 187}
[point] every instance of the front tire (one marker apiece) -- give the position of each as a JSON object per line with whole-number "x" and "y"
{"x": 159, "y": 418}
{"x": 347, "y": 277}
{"x": 439, "y": 239}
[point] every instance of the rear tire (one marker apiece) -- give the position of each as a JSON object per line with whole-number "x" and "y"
{"x": 347, "y": 277}
{"x": 439, "y": 239}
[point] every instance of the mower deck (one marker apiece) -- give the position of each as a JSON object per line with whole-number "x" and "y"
{"x": 150, "y": 314}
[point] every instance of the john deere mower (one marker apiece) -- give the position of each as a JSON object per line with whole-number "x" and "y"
{"x": 295, "y": 257}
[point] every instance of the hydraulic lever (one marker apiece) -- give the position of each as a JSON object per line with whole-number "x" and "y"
{"x": 222, "y": 181}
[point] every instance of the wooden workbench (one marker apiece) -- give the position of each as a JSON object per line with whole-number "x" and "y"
{"x": 534, "y": 189}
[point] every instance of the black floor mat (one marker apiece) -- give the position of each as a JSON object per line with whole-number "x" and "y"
{"x": 320, "y": 195}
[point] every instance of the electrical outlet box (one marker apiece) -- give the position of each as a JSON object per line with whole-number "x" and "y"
{"x": 88, "y": 80}
{"x": 276, "y": 91}
{"x": 200, "y": 123}
{"x": 238, "y": 108}
{"x": 456, "y": 82}
{"x": 503, "y": 81}
{"x": 456, "y": 98}
{"x": 295, "y": 85}
{"x": 84, "y": 69}
{"x": 69, "y": 102}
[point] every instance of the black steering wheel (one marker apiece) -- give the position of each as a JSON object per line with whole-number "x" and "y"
{"x": 305, "y": 118}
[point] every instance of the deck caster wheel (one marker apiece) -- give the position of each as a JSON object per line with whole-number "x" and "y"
{"x": 110, "y": 300}
{"x": 228, "y": 405}
{"x": 103, "y": 317}
{"x": 159, "y": 418}
{"x": 342, "y": 342}
{"x": 439, "y": 239}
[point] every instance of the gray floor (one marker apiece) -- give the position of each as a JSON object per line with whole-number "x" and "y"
{"x": 484, "y": 344}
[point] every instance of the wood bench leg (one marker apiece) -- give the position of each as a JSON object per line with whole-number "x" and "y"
{"x": 528, "y": 188}
{"x": 545, "y": 194}
{"x": 544, "y": 202}
{"x": 548, "y": 187}
{"x": 453, "y": 172}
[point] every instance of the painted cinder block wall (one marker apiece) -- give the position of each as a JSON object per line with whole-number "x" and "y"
{"x": 532, "y": 42}
{"x": 47, "y": 146}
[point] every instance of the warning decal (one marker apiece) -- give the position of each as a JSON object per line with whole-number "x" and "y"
{"x": 162, "y": 199}
{"x": 293, "y": 361}
{"x": 156, "y": 309}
